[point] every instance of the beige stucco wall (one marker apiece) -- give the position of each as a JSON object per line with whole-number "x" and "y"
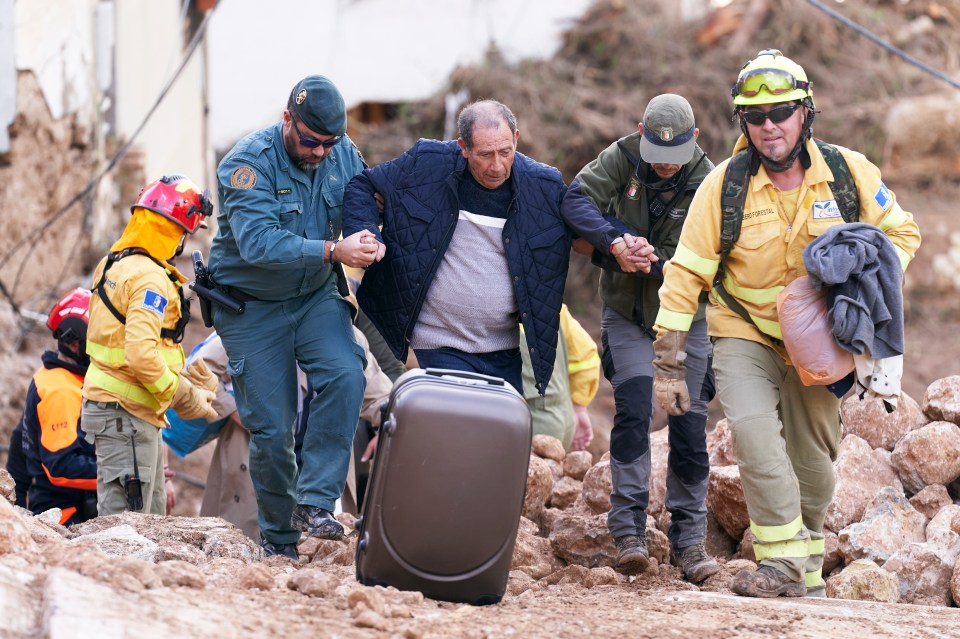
{"x": 65, "y": 55}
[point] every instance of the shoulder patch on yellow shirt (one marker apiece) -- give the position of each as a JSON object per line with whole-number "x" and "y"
{"x": 243, "y": 178}
{"x": 155, "y": 302}
{"x": 883, "y": 197}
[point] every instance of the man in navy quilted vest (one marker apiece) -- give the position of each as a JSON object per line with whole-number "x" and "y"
{"x": 472, "y": 246}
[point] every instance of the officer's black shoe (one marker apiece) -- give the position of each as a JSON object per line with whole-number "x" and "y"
{"x": 271, "y": 549}
{"x": 316, "y": 522}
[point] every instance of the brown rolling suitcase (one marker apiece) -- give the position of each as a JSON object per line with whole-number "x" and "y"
{"x": 447, "y": 487}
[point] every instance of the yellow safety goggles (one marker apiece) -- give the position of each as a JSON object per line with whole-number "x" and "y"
{"x": 775, "y": 81}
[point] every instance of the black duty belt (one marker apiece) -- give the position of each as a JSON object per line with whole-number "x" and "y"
{"x": 239, "y": 295}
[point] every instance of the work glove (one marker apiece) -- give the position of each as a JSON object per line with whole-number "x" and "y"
{"x": 193, "y": 402}
{"x": 200, "y": 376}
{"x": 669, "y": 382}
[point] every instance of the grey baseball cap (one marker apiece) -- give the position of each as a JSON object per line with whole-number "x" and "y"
{"x": 668, "y": 127}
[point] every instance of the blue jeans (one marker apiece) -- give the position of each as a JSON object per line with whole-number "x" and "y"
{"x": 264, "y": 346}
{"x": 506, "y": 364}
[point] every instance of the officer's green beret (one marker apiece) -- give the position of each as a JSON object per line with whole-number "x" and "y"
{"x": 317, "y": 103}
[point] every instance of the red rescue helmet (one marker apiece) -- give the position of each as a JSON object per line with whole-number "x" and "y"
{"x": 69, "y": 318}
{"x": 178, "y": 199}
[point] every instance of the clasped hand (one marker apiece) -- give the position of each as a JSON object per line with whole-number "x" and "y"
{"x": 359, "y": 250}
{"x": 633, "y": 254}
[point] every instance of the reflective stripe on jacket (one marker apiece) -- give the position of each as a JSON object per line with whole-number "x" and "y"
{"x": 768, "y": 255}
{"x": 61, "y": 464}
{"x": 131, "y": 363}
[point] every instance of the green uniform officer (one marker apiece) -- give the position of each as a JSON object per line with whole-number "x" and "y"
{"x": 647, "y": 180}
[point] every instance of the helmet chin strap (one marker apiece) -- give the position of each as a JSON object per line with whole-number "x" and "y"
{"x": 183, "y": 240}
{"x": 800, "y": 147}
{"x": 81, "y": 359}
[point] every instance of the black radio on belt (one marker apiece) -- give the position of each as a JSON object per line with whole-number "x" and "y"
{"x": 132, "y": 482}
{"x": 134, "y": 493}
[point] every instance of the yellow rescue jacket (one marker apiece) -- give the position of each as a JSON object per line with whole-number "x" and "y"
{"x": 132, "y": 363}
{"x": 768, "y": 255}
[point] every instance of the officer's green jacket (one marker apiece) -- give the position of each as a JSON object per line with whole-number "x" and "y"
{"x": 274, "y": 217}
{"x": 613, "y": 182}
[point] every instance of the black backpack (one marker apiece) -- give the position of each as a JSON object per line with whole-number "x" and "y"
{"x": 733, "y": 195}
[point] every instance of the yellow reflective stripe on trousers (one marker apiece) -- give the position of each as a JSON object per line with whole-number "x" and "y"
{"x": 778, "y": 541}
{"x": 814, "y": 578}
{"x": 693, "y": 262}
{"x": 117, "y": 356}
{"x": 816, "y": 546}
{"x": 99, "y": 379}
{"x": 783, "y": 532}
{"x": 776, "y": 549}
{"x": 671, "y": 320}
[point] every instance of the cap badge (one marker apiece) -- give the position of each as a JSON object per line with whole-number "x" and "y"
{"x": 301, "y": 96}
{"x": 666, "y": 134}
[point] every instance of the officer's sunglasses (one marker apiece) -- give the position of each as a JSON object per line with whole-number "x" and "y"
{"x": 777, "y": 115}
{"x": 312, "y": 143}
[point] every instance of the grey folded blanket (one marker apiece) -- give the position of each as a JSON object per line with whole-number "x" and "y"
{"x": 860, "y": 267}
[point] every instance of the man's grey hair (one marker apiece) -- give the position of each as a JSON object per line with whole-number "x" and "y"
{"x": 484, "y": 114}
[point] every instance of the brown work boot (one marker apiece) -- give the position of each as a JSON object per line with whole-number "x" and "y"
{"x": 766, "y": 581}
{"x": 632, "y": 555}
{"x": 697, "y": 565}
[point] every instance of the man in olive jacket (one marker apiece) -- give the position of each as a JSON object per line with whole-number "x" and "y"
{"x": 647, "y": 180}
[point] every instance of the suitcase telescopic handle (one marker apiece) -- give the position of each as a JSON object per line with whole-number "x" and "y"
{"x": 466, "y": 375}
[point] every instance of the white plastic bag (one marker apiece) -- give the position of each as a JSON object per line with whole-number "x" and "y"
{"x": 808, "y": 335}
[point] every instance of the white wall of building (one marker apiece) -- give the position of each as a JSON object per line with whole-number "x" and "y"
{"x": 54, "y": 39}
{"x": 61, "y": 42}
{"x": 374, "y": 50}
{"x": 149, "y": 47}
{"x": 8, "y": 72}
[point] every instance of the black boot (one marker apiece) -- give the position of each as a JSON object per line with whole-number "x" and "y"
{"x": 271, "y": 549}
{"x": 316, "y": 522}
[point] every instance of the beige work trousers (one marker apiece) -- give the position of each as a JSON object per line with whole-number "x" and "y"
{"x": 785, "y": 436}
